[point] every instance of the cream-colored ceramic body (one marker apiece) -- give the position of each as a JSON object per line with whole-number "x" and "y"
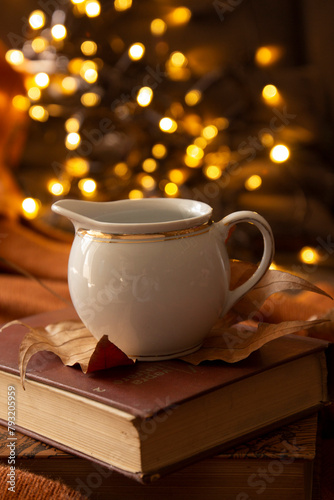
{"x": 153, "y": 274}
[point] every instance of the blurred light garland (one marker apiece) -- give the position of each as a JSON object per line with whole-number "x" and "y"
{"x": 120, "y": 125}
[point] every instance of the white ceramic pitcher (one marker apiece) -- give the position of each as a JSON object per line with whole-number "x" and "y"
{"x": 153, "y": 274}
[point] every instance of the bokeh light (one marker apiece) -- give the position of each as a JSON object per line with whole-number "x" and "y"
{"x": 72, "y": 140}
{"x": 159, "y": 151}
{"x": 135, "y": 194}
{"x": 14, "y": 57}
{"x": 30, "y": 207}
{"x": 92, "y": 8}
{"x": 309, "y": 255}
{"x": 136, "y": 51}
{"x": 149, "y": 165}
{"x": 145, "y": 96}
{"x": 87, "y": 186}
{"x": 253, "y": 182}
{"x": 42, "y": 80}
{"x": 158, "y": 27}
{"x": 59, "y": 32}
{"x": 168, "y": 125}
{"x": 171, "y": 189}
{"x": 77, "y": 166}
{"x": 38, "y": 113}
{"x": 88, "y": 48}
{"x": 279, "y": 153}
{"x": 37, "y": 19}
{"x": 193, "y": 97}
{"x": 121, "y": 5}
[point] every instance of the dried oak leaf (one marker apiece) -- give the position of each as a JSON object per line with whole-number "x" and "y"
{"x": 272, "y": 282}
{"x": 238, "y": 342}
{"x": 303, "y": 306}
{"x": 233, "y": 339}
{"x": 326, "y": 332}
{"x": 73, "y": 343}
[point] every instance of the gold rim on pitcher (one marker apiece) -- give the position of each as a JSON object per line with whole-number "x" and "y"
{"x": 145, "y": 237}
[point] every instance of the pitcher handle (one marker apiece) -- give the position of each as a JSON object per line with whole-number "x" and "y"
{"x": 224, "y": 227}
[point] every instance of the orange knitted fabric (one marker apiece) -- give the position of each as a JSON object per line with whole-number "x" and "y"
{"x": 29, "y": 486}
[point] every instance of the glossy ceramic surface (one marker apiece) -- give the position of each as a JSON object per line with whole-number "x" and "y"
{"x": 153, "y": 274}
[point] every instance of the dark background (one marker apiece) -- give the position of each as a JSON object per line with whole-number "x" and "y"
{"x": 298, "y": 199}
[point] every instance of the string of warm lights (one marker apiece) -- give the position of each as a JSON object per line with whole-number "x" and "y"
{"x": 69, "y": 77}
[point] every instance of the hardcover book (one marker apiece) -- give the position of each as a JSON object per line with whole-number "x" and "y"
{"x": 150, "y": 418}
{"x": 279, "y": 464}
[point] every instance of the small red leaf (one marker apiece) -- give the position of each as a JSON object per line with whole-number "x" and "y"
{"x": 106, "y": 355}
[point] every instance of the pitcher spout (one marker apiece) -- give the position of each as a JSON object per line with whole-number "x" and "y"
{"x": 82, "y": 214}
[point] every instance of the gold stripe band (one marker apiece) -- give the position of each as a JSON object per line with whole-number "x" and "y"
{"x": 146, "y": 237}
